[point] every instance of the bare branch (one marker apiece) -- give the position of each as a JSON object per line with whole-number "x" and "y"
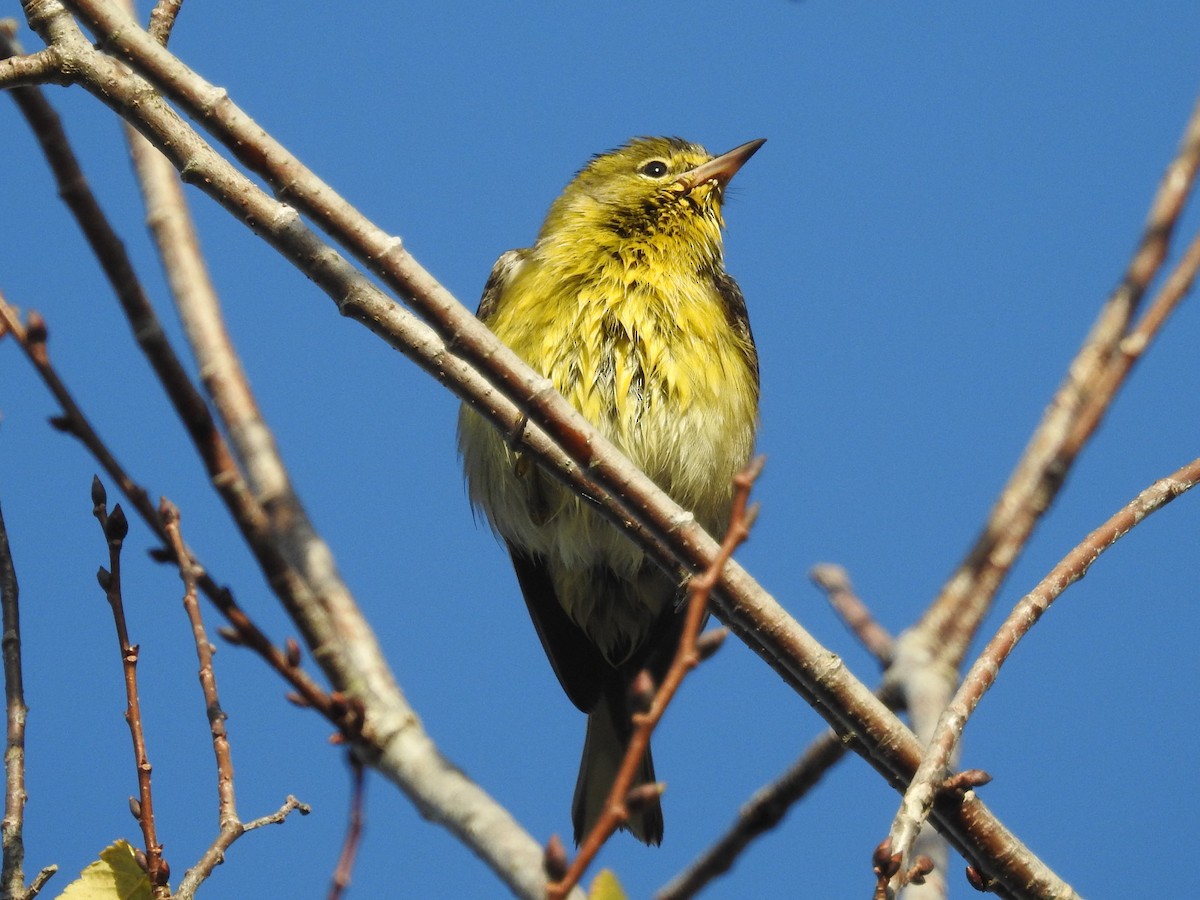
{"x": 929, "y": 780}
{"x": 1072, "y": 416}
{"x": 835, "y": 582}
{"x": 162, "y": 19}
{"x": 354, "y": 828}
{"x": 18, "y": 70}
{"x": 116, "y": 527}
{"x": 226, "y": 800}
{"x": 12, "y": 880}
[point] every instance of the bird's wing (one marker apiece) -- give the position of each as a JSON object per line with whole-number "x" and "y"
{"x": 502, "y": 272}
{"x": 580, "y": 668}
{"x": 735, "y": 309}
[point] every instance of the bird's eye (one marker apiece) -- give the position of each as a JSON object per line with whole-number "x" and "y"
{"x": 656, "y": 168}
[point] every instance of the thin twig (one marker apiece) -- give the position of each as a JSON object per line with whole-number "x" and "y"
{"x": 700, "y": 587}
{"x": 1174, "y": 288}
{"x": 920, "y": 796}
{"x": 230, "y": 826}
{"x": 215, "y": 855}
{"x": 116, "y": 527}
{"x": 762, "y": 812}
{"x": 33, "y": 340}
{"x": 354, "y": 829}
{"x": 281, "y": 814}
{"x": 12, "y": 881}
{"x": 226, "y": 799}
{"x": 835, "y": 582}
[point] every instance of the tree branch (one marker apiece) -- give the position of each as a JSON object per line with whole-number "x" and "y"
{"x": 919, "y": 798}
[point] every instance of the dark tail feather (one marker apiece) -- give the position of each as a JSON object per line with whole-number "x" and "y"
{"x": 608, "y": 732}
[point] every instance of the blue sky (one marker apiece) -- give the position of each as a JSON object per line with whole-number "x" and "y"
{"x": 948, "y": 193}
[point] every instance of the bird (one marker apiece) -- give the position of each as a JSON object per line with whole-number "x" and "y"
{"x": 624, "y": 303}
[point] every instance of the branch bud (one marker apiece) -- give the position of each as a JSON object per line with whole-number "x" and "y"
{"x": 976, "y": 880}
{"x": 710, "y": 642}
{"x": 644, "y": 796}
{"x": 641, "y": 692}
{"x": 117, "y": 526}
{"x": 554, "y": 859}
{"x": 99, "y": 495}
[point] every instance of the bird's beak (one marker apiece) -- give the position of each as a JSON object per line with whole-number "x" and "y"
{"x": 720, "y": 168}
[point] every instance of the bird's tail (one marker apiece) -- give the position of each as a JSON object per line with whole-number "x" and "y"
{"x": 609, "y": 729}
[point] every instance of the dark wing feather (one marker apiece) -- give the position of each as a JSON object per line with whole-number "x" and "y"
{"x": 502, "y": 272}
{"x": 580, "y": 668}
{"x": 735, "y": 309}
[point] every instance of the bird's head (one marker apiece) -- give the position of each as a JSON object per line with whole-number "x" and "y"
{"x": 654, "y": 190}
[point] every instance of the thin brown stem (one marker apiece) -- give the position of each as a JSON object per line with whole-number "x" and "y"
{"x": 686, "y": 659}
{"x": 33, "y": 340}
{"x": 115, "y": 527}
{"x": 12, "y": 878}
{"x": 354, "y": 829}
{"x": 226, "y": 799}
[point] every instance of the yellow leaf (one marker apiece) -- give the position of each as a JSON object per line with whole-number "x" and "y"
{"x": 606, "y": 887}
{"x": 114, "y": 876}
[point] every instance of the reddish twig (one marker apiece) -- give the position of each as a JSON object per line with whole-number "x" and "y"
{"x": 354, "y": 829}
{"x": 687, "y": 657}
{"x": 116, "y": 527}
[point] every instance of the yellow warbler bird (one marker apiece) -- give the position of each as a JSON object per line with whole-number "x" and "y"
{"x": 623, "y": 302}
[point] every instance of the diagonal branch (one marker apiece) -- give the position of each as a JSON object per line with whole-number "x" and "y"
{"x": 920, "y": 796}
